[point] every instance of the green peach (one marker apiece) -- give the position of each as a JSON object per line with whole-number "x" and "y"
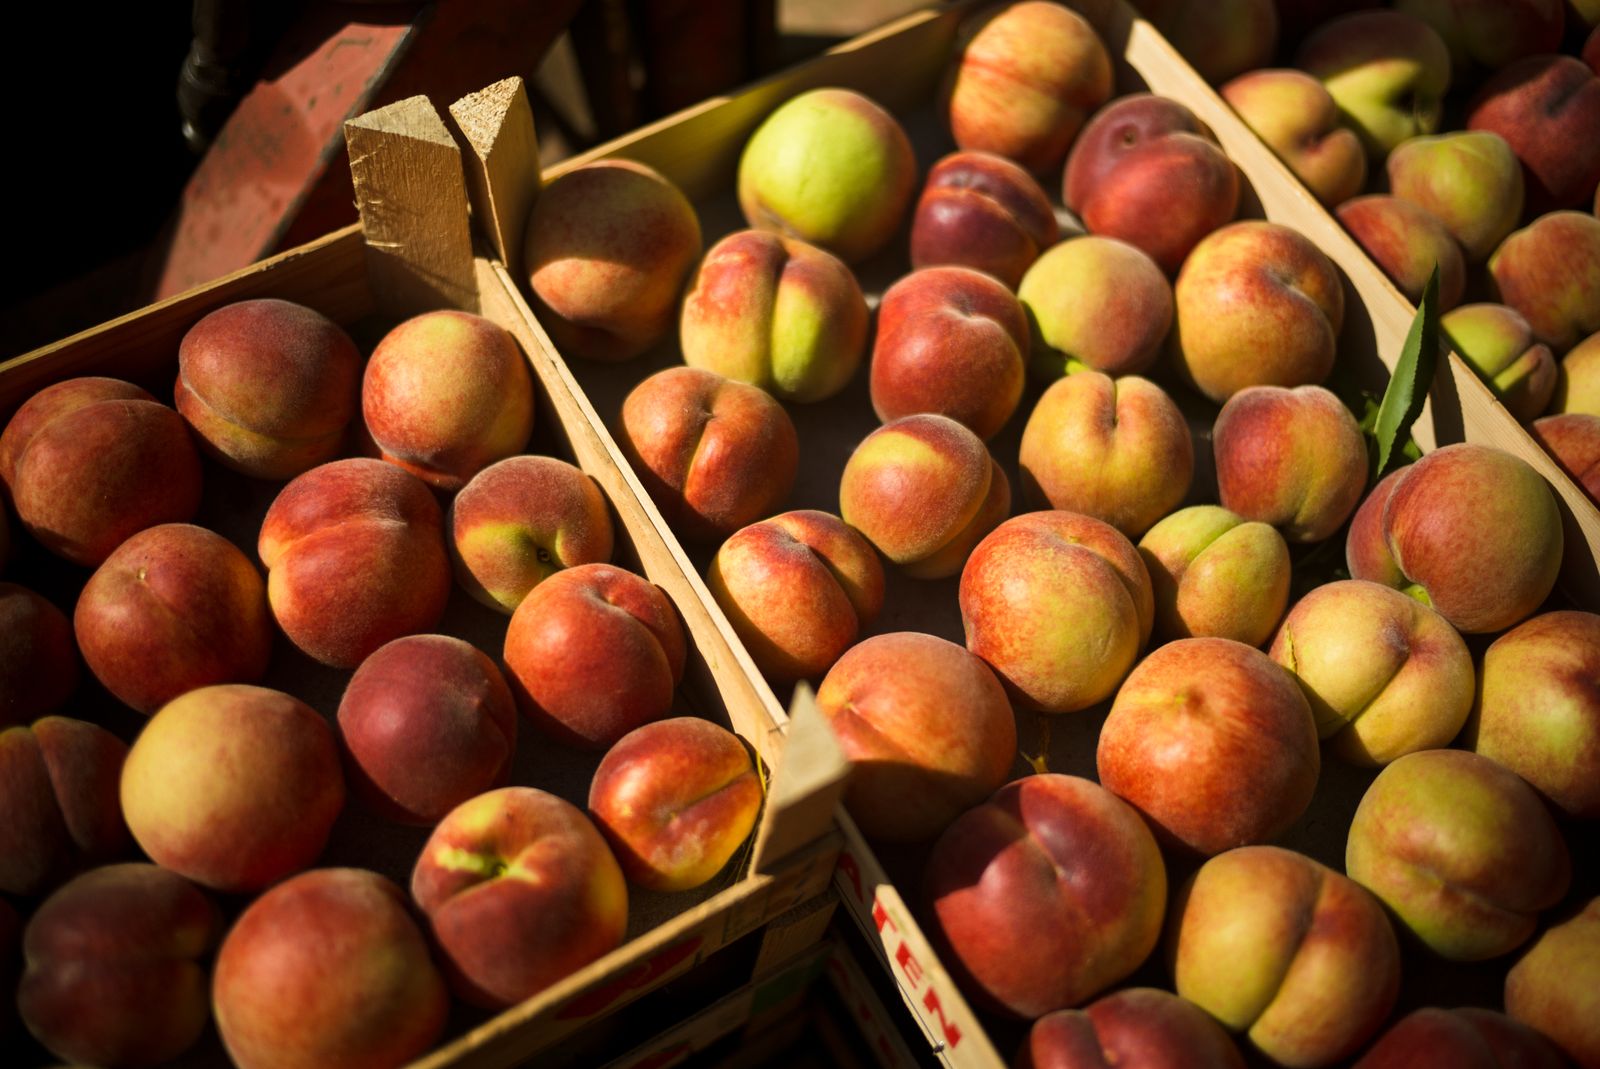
{"x": 1469, "y": 180}
{"x": 1499, "y": 344}
{"x": 1216, "y": 574}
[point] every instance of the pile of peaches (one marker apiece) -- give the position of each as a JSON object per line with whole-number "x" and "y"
{"x": 156, "y": 886}
{"x": 1226, "y": 641}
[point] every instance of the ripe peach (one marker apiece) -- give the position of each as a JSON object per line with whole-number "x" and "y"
{"x": 1115, "y": 449}
{"x": 1578, "y": 379}
{"x": 1096, "y": 303}
{"x": 115, "y": 973}
{"x": 1135, "y": 1028}
{"x": 38, "y": 659}
{"x": 777, "y": 313}
{"x": 1550, "y": 272}
{"x": 1555, "y": 985}
{"x": 268, "y": 386}
{"x": 608, "y": 248}
{"x": 1469, "y": 180}
{"x": 1215, "y": 574}
{"x": 58, "y": 789}
{"x": 355, "y": 557}
{"x": 1491, "y": 33}
{"x": 1213, "y": 743}
{"x": 1059, "y": 604}
{"x": 89, "y": 462}
{"x": 520, "y": 890}
{"x": 798, "y": 589}
{"x": 1573, "y": 439}
{"x": 329, "y": 969}
{"x": 445, "y": 395}
{"x": 1046, "y": 894}
{"x": 1293, "y": 113}
{"x": 675, "y": 799}
{"x": 1547, "y": 107}
{"x": 926, "y": 725}
{"x": 594, "y": 622}
{"x": 520, "y": 520}
{"x": 950, "y": 340}
{"x": 1463, "y": 1038}
{"x": 982, "y": 211}
{"x": 1387, "y": 70}
{"x": 714, "y": 454}
{"x": 427, "y": 722}
{"x": 1499, "y": 345}
{"x": 1407, "y": 242}
{"x": 173, "y": 608}
{"x": 233, "y": 786}
{"x": 923, "y": 489}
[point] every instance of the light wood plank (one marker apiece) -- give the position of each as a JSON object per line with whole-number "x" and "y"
{"x": 806, "y": 787}
{"x": 502, "y": 162}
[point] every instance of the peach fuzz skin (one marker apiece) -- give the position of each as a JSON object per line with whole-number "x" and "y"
{"x": 590, "y": 623}
{"x": 58, "y": 788}
{"x": 982, "y": 211}
{"x": 427, "y": 722}
{"x": 328, "y": 968}
{"x": 445, "y": 395}
{"x": 1097, "y": 303}
{"x": 1550, "y": 272}
{"x": 1213, "y": 743}
{"x": 923, "y": 490}
{"x": 1465, "y": 1038}
{"x": 676, "y": 800}
{"x": 1547, "y": 107}
{"x": 173, "y": 608}
{"x": 116, "y": 970}
{"x": 1578, "y": 378}
{"x": 1553, "y": 986}
{"x": 1468, "y": 180}
{"x": 1573, "y": 440}
{"x": 926, "y": 725}
{"x": 798, "y": 589}
{"x": 355, "y": 557}
{"x": 1295, "y": 116}
{"x": 1137, "y": 1028}
{"x": 608, "y": 248}
{"x": 1215, "y": 574}
{"x": 1499, "y": 344}
{"x": 519, "y": 890}
{"x": 90, "y": 461}
{"x": 1407, "y": 242}
{"x": 714, "y": 454}
{"x": 38, "y": 657}
{"x": 1060, "y": 605}
{"x": 1044, "y": 895}
{"x": 233, "y": 786}
{"x": 268, "y": 386}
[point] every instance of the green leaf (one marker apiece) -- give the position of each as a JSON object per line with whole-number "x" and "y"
{"x": 1408, "y": 385}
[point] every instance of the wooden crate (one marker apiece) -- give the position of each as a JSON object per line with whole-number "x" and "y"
{"x": 409, "y": 176}
{"x": 899, "y": 65}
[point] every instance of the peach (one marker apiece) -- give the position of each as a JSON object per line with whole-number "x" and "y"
{"x": 777, "y": 313}
{"x": 1044, "y": 895}
{"x": 1469, "y": 530}
{"x": 982, "y": 211}
{"x": 1407, "y": 242}
{"x": 520, "y": 890}
{"x": 1547, "y": 107}
{"x": 714, "y": 454}
{"x": 923, "y": 489}
{"x": 608, "y": 248}
{"x": 355, "y": 557}
{"x": 1578, "y": 379}
{"x": 1115, "y": 449}
{"x": 233, "y": 786}
{"x": 675, "y": 799}
{"x": 1499, "y": 345}
{"x": 115, "y": 970}
{"x": 1463, "y": 1038}
{"x": 1550, "y": 272}
{"x": 268, "y": 386}
{"x": 1257, "y": 305}
{"x": 89, "y": 462}
{"x": 1460, "y": 849}
{"x": 1538, "y": 708}
{"x": 1145, "y": 170}
{"x": 519, "y": 521}
{"x": 445, "y": 395}
{"x": 1213, "y": 743}
{"x": 829, "y": 167}
{"x": 1135, "y": 1028}
{"x": 1096, "y": 303}
{"x": 1384, "y": 674}
{"x": 1491, "y": 33}
{"x": 1387, "y": 71}
{"x": 798, "y": 589}
{"x": 1024, "y": 80}
{"x": 173, "y": 608}
{"x": 1059, "y": 605}
{"x": 1215, "y": 574}
{"x": 926, "y": 726}
{"x": 1297, "y": 118}
{"x": 1219, "y": 40}
{"x": 1299, "y": 958}
{"x": 427, "y": 722}
{"x": 38, "y": 658}
{"x": 1469, "y": 180}
{"x": 1555, "y": 986}
{"x": 1573, "y": 439}
{"x": 950, "y": 340}
{"x": 329, "y": 969}
{"x": 1295, "y": 459}
{"x": 586, "y": 624}
{"x": 58, "y": 789}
